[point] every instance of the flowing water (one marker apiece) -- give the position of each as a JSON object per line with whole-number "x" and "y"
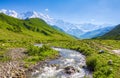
{"x": 56, "y": 68}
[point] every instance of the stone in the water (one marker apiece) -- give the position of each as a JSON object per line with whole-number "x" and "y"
{"x": 69, "y": 70}
{"x": 84, "y": 66}
{"x": 52, "y": 65}
{"x": 78, "y": 71}
{"x": 30, "y": 69}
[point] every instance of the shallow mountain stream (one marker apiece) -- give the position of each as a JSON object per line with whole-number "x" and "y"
{"x": 70, "y": 64}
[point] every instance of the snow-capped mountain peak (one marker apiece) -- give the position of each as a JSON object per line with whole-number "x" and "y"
{"x": 9, "y": 12}
{"x": 70, "y": 28}
{"x": 29, "y": 14}
{"x": 34, "y": 14}
{"x": 3, "y": 11}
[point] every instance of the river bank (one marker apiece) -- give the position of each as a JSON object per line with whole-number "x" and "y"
{"x": 71, "y": 64}
{"x": 17, "y": 67}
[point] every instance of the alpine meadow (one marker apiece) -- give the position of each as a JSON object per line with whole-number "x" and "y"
{"x": 60, "y": 39}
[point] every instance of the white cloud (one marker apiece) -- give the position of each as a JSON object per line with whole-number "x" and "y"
{"x": 46, "y": 9}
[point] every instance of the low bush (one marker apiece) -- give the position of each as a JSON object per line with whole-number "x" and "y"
{"x": 91, "y": 63}
{"x": 40, "y": 53}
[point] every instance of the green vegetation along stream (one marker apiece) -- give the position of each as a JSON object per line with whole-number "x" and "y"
{"x": 70, "y": 64}
{"x": 18, "y": 53}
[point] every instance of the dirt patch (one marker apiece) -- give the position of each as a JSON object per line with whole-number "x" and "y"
{"x": 116, "y": 51}
{"x": 12, "y": 69}
{"x": 16, "y": 53}
{"x": 15, "y": 67}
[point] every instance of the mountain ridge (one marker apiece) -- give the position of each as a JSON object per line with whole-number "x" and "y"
{"x": 73, "y": 29}
{"x": 30, "y": 28}
{"x": 96, "y": 33}
{"x": 113, "y": 34}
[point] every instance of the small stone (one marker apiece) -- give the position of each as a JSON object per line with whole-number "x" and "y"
{"x": 30, "y": 69}
{"x": 101, "y": 51}
{"x": 110, "y": 62}
{"x": 52, "y": 65}
{"x": 78, "y": 71}
{"x": 84, "y": 67}
{"x": 69, "y": 70}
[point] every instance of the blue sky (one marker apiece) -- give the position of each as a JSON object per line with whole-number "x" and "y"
{"x": 75, "y": 11}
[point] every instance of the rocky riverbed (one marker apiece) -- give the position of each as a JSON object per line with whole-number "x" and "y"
{"x": 15, "y": 67}
{"x": 71, "y": 64}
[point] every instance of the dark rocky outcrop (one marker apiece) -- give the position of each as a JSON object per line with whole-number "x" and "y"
{"x": 69, "y": 70}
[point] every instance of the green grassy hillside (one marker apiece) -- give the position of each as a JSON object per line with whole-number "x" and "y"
{"x": 113, "y": 34}
{"x": 34, "y": 28}
{"x": 17, "y": 33}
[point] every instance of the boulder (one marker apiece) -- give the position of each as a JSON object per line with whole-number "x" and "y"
{"x": 101, "y": 51}
{"x": 84, "y": 66}
{"x": 69, "y": 70}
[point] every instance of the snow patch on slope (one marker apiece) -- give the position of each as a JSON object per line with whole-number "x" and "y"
{"x": 9, "y": 12}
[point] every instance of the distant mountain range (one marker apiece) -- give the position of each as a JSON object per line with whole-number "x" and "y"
{"x": 113, "y": 34}
{"x": 81, "y": 30}
{"x": 85, "y": 30}
{"x": 96, "y": 33}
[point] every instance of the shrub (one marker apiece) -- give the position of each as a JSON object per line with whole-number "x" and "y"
{"x": 91, "y": 63}
{"x": 40, "y": 53}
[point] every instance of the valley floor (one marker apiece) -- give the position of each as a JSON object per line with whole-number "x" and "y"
{"x": 16, "y": 61}
{"x": 100, "y": 56}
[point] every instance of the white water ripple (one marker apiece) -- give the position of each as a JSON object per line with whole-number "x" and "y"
{"x": 55, "y": 68}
